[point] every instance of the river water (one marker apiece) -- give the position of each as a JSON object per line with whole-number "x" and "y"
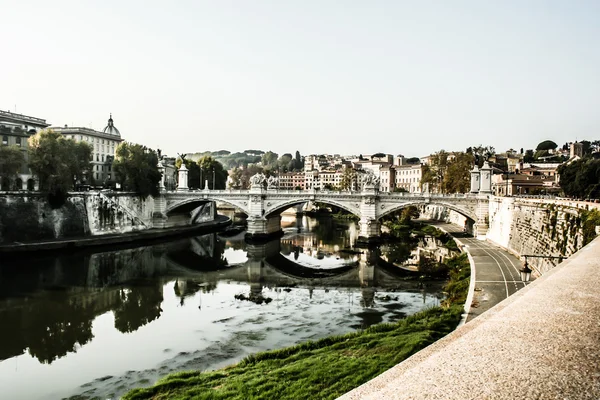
{"x": 96, "y": 324}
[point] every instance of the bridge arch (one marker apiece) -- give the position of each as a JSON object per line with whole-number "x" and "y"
{"x": 462, "y": 211}
{"x": 278, "y": 208}
{"x": 187, "y": 205}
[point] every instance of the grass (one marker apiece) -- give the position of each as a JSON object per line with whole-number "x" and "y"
{"x": 322, "y": 369}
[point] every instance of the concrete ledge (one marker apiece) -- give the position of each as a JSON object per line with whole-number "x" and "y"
{"x": 541, "y": 343}
{"x": 123, "y": 239}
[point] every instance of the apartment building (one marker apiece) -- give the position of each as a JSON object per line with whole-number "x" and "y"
{"x": 104, "y": 144}
{"x": 15, "y": 130}
{"x": 292, "y": 180}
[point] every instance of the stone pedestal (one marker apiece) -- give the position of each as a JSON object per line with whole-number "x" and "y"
{"x": 475, "y": 179}
{"x": 480, "y": 227}
{"x": 369, "y": 224}
{"x": 263, "y": 229}
{"x": 485, "y": 178}
{"x": 183, "y": 179}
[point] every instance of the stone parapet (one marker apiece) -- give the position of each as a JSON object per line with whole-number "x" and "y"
{"x": 540, "y": 343}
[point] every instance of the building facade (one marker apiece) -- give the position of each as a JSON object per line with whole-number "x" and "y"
{"x": 15, "y": 130}
{"x": 408, "y": 177}
{"x": 104, "y": 145}
{"x": 292, "y": 181}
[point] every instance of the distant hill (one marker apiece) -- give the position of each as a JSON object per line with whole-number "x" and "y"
{"x": 230, "y": 160}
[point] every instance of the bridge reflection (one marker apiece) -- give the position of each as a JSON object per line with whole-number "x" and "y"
{"x": 47, "y": 307}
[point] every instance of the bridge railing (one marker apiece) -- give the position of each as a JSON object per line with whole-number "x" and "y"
{"x": 334, "y": 193}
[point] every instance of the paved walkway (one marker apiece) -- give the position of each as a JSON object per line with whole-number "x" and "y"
{"x": 496, "y": 270}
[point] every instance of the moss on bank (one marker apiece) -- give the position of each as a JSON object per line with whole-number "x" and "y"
{"x": 323, "y": 369}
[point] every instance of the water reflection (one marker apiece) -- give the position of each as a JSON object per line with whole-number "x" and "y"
{"x": 53, "y": 305}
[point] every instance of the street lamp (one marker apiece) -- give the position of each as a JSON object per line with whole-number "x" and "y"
{"x": 213, "y": 170}
{"x": 525, "y": 271}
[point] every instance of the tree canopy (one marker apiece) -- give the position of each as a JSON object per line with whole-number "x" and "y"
{"x": 581, "y": 178}
{"x": 58, "y": 163}
{"x": 136, "y": 169}
{"x": 546, "y": 145}
{"x": 211, "y": 168}
{"x": 11, "y": 160}
{"x": 448, "y": 173}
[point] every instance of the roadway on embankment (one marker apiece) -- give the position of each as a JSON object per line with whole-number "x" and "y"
{"x": 496, "y": 270}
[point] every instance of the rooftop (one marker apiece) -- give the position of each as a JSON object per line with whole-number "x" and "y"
{"x": 23, "y": 118}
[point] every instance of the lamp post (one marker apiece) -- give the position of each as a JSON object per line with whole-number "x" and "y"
{"x": 200, "y": 187}
{"x": 525, "y": 271}
{"x": 213, "y": 171}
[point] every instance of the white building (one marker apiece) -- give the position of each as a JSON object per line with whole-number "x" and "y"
{"x": 408, "y": 177}
{"x": 104, "y": 146}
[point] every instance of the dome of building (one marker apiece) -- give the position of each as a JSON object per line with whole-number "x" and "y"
{"x": 111, "y": 129}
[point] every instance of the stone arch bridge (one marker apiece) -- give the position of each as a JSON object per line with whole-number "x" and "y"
{"x": 263, "y": 206}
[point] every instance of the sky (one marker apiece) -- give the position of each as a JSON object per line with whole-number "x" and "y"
{"x": 318, "y": 76}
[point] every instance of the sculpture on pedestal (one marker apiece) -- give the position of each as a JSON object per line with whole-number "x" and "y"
{"x": 272, "y": 182}
{"x": 369, "y": 180}
{"x": 257, "y": 180}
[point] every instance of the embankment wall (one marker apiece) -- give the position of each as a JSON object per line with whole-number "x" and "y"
{"x": 26, "y": 217}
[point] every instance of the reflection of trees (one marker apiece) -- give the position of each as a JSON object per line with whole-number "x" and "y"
{"x": 138, "y": 306}
{"x": 398, "y": 253}
{"x": 53, "y": 328}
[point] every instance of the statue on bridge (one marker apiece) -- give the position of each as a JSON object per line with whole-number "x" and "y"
{"x": 258, "y": 179}
{"x": 368, "y": 179}
{"x": 272, "y": 182}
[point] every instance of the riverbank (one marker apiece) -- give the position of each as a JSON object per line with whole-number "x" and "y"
{"x": 124, "y": 239}
{"x": 326, "y": 368}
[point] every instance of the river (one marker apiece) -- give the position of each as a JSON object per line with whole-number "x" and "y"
{"x": 96, "y": 324}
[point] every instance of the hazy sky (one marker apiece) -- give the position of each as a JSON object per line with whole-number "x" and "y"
{"x": 349, "y": 77}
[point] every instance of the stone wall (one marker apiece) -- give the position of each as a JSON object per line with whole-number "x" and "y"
{"x": 535, "y": 227}
{"x": 117, "y": 212}
{"x": 27, "y": 217}
{"x": 441, "y": 213}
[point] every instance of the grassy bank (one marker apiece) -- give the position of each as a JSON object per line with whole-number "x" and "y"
{"x": 323, "y": 369}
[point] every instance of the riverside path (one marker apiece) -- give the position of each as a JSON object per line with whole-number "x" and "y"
{"x": 496, "y": 270}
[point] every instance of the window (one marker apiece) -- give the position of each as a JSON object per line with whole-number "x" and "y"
{"x": 5, "y": 140}
{"x": 18, "y": 141}
{"x": 102, "y": 157}
{"x": 97, "y": 157}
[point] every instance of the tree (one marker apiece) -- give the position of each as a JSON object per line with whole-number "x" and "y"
{"x": 11, "y": 160}
{"x": 235, "y": 178}
{"x": 546, "y": 145}
{"x": 211, "y": 168}
{"x": 457, "y": 177}
{"x": 58, "y": 163}
{"x": 269, "y": 159}
{"x": 348, "y": 180}
{"x": 529, "y": 156}
{"x": 285, "y": 162}
{"x": 434, "y": 173}
{"x": 298, "y": 164}
{"x": 481, "y": 153}
{"x": 581, "y": 178}
{"x": 135, "y": 168}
